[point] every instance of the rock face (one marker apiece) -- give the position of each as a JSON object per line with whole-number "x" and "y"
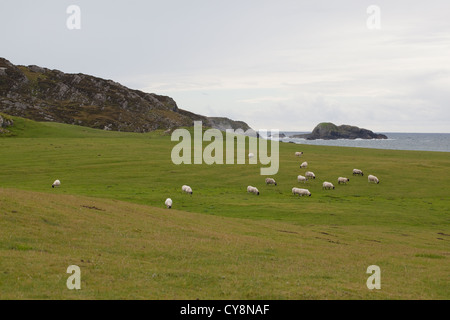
{"x": 42, "y": 94}
{"x": 329, "y": 131}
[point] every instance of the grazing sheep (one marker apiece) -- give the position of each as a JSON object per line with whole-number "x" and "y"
{"x": 301, "y": 178}
{"x": 358, "y": 172}
{"x": 271, "y": 181}
{"x": 298, "y": 154}
{"x": 304, "y": 165}
{"x": 253, "y": 190}
{"x": 310, "y": 174}
{"x": 343, "y": 180}
{"x": 327, "y": 185}
{"x": 168, "y": 203}
{"x": 186, "y": 189}
{"x": 301, "y": 192}
{"x": 57, "y": 183}
{"x": 372, "y": 178}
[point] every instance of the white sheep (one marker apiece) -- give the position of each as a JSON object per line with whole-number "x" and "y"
{"x": 253, "y": 190}
{"x": 271, "y": 181}
{"x": 57, "y": 183}
{"x": 186, "y": 189}
{"x": 327, "y": 185}
{"x": 301, "y": 178}
{"x": 358, "y": 172}
{"x": 343, "y": 180}
{"x": 298, "y": 154}
{"x": 310, "y": 174}
{"x": 372, "y": 178}
{"x": 304, "y": 165}
{"x": 301, "y": 192}
{"x": 168, "y": 203}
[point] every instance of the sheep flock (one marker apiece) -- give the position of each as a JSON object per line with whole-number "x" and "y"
{"x": 308, "y": 176}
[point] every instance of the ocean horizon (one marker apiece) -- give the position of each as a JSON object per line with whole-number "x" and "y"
{"x": 396, "y": 141}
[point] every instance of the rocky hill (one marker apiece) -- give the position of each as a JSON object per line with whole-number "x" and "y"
{"x": 329, "y": 131}
{"x": 42, "y": 94}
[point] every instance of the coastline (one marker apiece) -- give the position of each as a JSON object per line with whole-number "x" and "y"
{"x": 438, "y": 142}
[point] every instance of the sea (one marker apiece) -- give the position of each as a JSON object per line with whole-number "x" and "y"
{"x": 396, "y": 141}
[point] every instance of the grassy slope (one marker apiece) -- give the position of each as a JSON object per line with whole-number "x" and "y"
{"x": 225, "y": 243}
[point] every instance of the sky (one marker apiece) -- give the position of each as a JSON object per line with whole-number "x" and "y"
{"x": 285, "y": 64}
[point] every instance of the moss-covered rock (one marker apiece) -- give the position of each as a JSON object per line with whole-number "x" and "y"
{"x": 5, "y": 122}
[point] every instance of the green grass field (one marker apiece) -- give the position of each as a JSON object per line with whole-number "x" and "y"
{"x": 108, "y": 217}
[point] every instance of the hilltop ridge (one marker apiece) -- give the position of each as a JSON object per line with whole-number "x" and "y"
{"x": 42, "y": 94}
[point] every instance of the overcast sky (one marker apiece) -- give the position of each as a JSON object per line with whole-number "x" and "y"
{"x": 285, "y": 64}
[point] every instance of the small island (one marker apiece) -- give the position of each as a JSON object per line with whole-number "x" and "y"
{"x": 330, "y": 131}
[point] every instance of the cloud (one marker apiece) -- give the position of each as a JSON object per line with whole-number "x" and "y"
{"x": 259, "y": 100}
{"x": 288, "y": 64}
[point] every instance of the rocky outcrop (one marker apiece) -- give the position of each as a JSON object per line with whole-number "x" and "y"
{"x": 225, "y": 123}
{"x": 42, "y": 94}
{"x": 216, "y": 122}
{"x": 329, "y": 131}
{"x": 5, "y": 122}
{"x": 276, "y": 136}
